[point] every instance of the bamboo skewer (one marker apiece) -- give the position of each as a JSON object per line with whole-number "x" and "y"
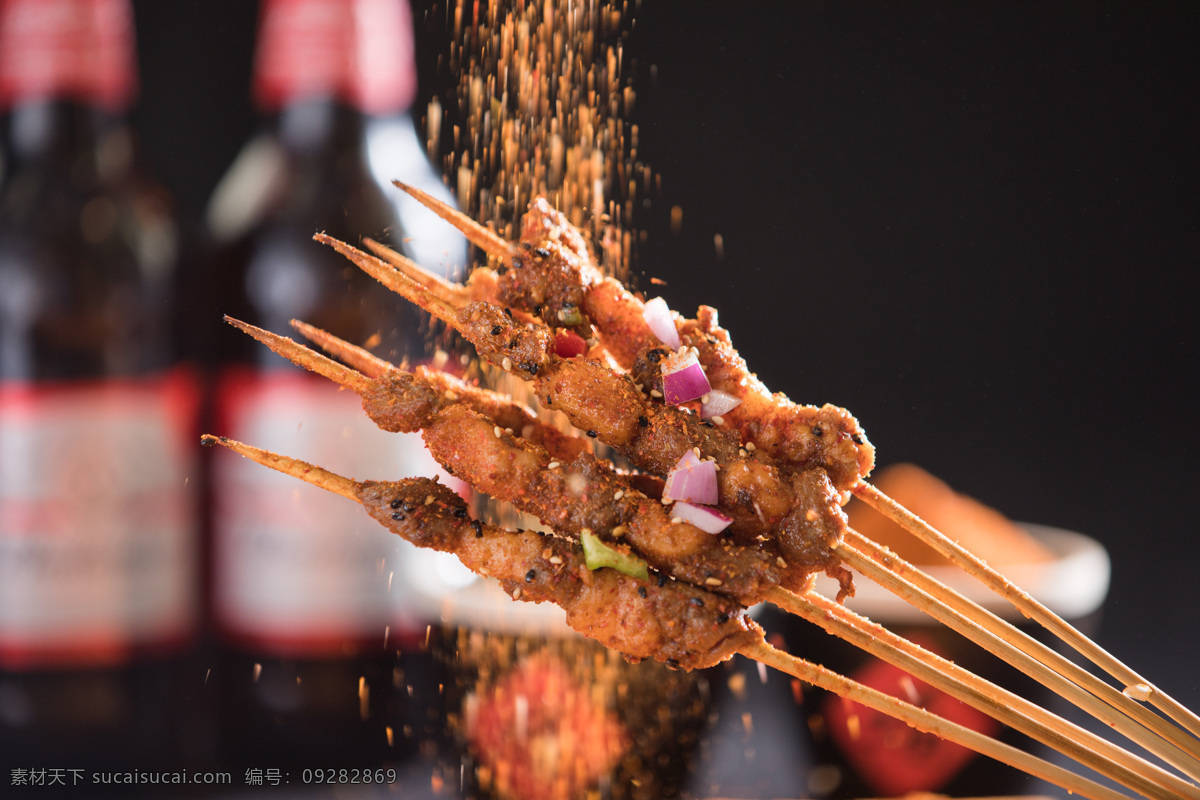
{"x": 483, "y": 238}
{"x": 954, "y": 611}
{"x": 356, "y": 357}
{"x": 924, "y": 721}
{"x": 393, "y": 279}
{"x": 1022, "y": 642}
{"x": 790, "y": 665}
{"x": 1025, "y": 604}
{"x": 998, "y": 703}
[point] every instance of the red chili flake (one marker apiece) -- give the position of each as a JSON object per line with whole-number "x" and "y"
{"x": 568, "y": 344}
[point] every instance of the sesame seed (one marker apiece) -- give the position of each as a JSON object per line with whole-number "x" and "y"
{"x": 553, "y": 465}
{"x": 750, "y": 446}
{"x": 554, "y": 560}
{"x": 655, "y": 393}
{"x": 718, "y": 420}
{"x": 516, "y": 595}
{"x": 509, "y": 431}
{"x": 696, "y": 450}
{"x": 428, "y": 499}
{"x": 506, "y": 364}
{"x": 742, "y": 452}
{"x": 619, "y": 531}
{"x": 619, "y": 495}
{"x": 779, "y": 560}
{"x": 676, "y": 520}
{"x": 451, "y": 396}
{"x": 712, "y": 581}
{"x": 496, "y": 430}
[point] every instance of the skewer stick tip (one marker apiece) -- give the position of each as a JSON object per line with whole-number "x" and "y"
{"x": 305, "y": 358}
{"x": 396, "y": 280}
{"x": 309, "y": 473}
{"x": 483, "y": 238}
{"x": 356, "y": 357}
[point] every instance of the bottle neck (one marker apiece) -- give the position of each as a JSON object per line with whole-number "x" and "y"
{"x": 79, "y": 49}
{"x": 358, "y": 51}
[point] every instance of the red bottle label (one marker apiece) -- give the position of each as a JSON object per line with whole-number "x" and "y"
{"x": 359, "y": 51}
{"x": 77, "y": 49}
{"x": 300, "y": 571}
{"x": 97, "y": 539}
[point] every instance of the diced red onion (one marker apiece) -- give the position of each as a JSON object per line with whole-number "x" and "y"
{"x": 662, "y": 323}
{"x": 692, "y": 480}
{"x": 709, "y": 520}
{"x": 688, "y": 460}
{"x": 568, "y": 344}
{"x": 716, "y": 403}
{"x": 683, "y": 379}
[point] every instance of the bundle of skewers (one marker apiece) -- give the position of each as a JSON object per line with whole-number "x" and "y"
{"x": 728, "y": 496}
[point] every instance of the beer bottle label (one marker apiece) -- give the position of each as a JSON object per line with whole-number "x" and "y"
{"x": 97, "y": 519}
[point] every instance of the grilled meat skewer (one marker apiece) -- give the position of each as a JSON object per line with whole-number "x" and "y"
{"x": 551, "y": 273}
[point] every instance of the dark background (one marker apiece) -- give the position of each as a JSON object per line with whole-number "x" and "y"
{"x": 973, "y": 224}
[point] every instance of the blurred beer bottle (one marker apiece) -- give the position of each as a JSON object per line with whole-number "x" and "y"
{"x": 309, "y": 596}
{"x": 97, "y": 420}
